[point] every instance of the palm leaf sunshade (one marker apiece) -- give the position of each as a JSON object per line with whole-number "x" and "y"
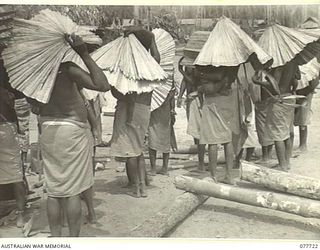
{"x": 309, "y": 72}
{"x": 229, "y": 45}
{"x": 37, "y": 49}
{"x": 166, "y": 47}
{"x": 285, "y": 44}
{"x": 128, "y": 66}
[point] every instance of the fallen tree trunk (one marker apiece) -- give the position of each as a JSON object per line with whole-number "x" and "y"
{"x": 281, "y": 181}
{"x": 192, "y": 149}
{"x": 165, "y": 220}
{"x": 282, "y": 202}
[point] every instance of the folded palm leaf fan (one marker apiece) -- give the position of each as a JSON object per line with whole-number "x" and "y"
{"x": 37, "y": 49}
{"x": 285, "y": 44}
{"x": 128, "y": 66}
{"x": 229, "y": 45}
{"x": 166, "y": 47}
{"x": 309, "y": 72}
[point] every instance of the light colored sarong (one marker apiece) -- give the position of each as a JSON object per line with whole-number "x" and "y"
{"x": 302, "y": 116}
{"x": 160, "y": 128}
{"x": 279, "y": 119}
{"x": 216, "y": 120}
{"x": 96, "y": 107}
{"x": 67, "y": 150}
{"x": 194, "y": 122}
{"x": 10, "y": 159}
{"x": 261, "y": 109}
{"x": 252, "y": 140}
{"x": 128, "y": 137}
{"x": 23, "y": 110}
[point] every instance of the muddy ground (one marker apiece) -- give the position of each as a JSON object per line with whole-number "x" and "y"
{"x": 118, "y": 213}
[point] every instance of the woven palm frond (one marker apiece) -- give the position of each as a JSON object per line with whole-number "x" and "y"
{"x": 128, "y": 66}
{"x": 309, "y": 72}
{"x": 166, "y": 47}
{"x": 229, "y": 45}
{"x": 37, "y": 49}
{"x": 284, "y": 44}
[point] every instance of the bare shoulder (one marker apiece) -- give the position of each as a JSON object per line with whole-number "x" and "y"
{"x": 69, "y": 67}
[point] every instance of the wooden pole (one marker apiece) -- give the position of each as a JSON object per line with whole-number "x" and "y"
{"x": 192, "y": 149}
{"x": 282, "y": 202}
{"x": 165, "y": 220}
{"x": 281, "y": 181}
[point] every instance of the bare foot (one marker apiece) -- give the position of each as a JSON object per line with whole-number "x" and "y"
{"x": 214, "y": 179}
{"x": 229, "y": 181}
{"x": 91, "y": 218}
{"x": 148, "y": 180}
{"x": 201, "y": 169}
{"x": 143, "y": 193}
{"x": 20, "y": 219}
{"x": 280, "y": 168}
{"x": 153, "y": 172}
{"x": 262, "y": 162}
{"x": 163, "y": 172}
{"x": 302, "y": 149}
{"x": 134, "y": 194}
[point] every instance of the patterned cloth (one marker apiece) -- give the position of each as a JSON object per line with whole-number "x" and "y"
{"x": 67, "y": 151}
{"x": 302, "y": 116}
{"x": 279, "y": 120}
{"x": 23, "y": 110}
{"x": 160, "y": 128}
{"x": 128, "y": 137}
{"x": 10, "y": 159}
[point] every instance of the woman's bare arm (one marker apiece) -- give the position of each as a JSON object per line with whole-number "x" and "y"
{"x": 95, "y": 79}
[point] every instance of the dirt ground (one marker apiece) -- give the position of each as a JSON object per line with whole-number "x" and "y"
{"x": 225, "y": 219}
{"x": 118, "y": 213}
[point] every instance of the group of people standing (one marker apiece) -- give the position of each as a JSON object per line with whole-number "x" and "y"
{"x": 67, "y": 126}
{"x": 270, "y": 99}
{"x": 213, "y": 113}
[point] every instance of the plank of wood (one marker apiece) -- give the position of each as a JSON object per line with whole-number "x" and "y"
{"x": 276, "y": 201}
{"x": 281, "y": 181}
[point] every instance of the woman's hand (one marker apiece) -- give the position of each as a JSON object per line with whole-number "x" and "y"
{"x": 77, "y": 44}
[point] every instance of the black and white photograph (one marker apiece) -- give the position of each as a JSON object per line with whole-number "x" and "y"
{"x": 160, "y": 121}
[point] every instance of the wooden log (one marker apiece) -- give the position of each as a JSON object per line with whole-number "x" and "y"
{"x": 192, "y": 149}
{"x": 282, "y": 202}
{"x": 281, "y": 181}
{"x": 164, "y": 221}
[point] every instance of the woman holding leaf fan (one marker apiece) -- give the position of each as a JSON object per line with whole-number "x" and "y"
{"x": 65, "y": 138}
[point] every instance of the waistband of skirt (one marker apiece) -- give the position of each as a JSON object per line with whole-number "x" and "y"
{"x": 54, "y": 121}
